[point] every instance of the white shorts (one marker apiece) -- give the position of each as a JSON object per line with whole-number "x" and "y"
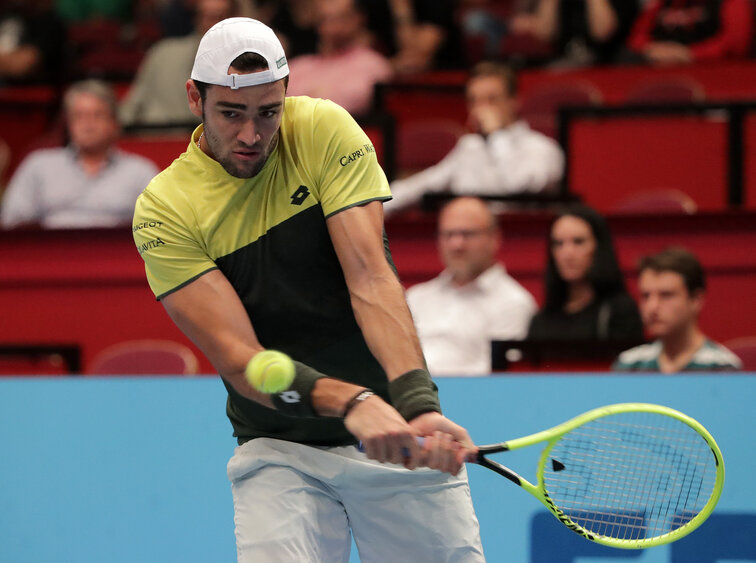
{"x": 296, "y": 504}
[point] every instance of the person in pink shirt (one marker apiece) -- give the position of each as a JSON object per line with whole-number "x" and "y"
{"x": 345, "y": 69}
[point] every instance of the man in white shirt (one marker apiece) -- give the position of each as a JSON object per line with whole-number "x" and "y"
{"x": 474, "y": 300}
{"x": 90, "y": 183}
{"x": 503, "y": 156}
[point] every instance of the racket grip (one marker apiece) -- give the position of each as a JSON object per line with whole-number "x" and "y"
{"x": 405, "y": 451}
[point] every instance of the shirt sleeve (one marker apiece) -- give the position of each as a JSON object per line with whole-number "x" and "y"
{"x": 734, "y": 36}
{"x": 437, "y": 178}
{"x": 534, "y": 166}
{"x": 20, "y": 204}
{"x": 350, "y": 173}
{"x": 640, "y": 35}
{"x": 173, "y": 255}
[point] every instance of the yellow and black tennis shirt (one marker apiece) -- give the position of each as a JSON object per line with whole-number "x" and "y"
{"x": 268, "y": 236}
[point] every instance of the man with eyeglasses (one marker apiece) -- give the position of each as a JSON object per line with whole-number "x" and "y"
{"x": 474, "y": 300}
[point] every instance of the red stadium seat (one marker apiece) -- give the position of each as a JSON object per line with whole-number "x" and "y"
{"x": 161, "y": 148}
{"x": 540, "y": 107}
{"x": 145, "y": 357}
{"x": 745, "y": 349}
{"x": 657, "y": 201}
{"x": 422, "y": 143}
{"x": 667, "y": 90}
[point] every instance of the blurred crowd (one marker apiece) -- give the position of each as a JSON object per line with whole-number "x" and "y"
{"x": 124, "y": 63}
{"x": 49, "y": 40}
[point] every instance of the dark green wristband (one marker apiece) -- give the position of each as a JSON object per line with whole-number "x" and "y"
{"x": 296, "y": 400}
{"x": 414, "y": 393}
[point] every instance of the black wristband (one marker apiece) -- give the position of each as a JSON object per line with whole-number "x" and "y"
{"x": 296, "y": 401}
{"x": 414, "y": 393}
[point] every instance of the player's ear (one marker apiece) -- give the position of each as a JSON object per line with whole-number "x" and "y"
{"x": 194, "y": 98}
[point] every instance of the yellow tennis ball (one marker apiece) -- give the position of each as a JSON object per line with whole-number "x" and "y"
{"x": 270, "y": 371}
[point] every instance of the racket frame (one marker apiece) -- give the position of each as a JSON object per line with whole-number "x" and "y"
{"x": 552, "y": 436}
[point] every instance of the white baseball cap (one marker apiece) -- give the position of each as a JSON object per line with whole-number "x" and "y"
{"x": 228, "y": 39}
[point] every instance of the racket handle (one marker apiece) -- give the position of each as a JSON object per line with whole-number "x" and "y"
{"x": 405, "y": 451}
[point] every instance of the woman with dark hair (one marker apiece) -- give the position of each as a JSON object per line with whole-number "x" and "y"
{"x": 586, "y": 297}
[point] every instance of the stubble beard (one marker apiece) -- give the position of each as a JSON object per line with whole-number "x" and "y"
{"x": 226, "y": 160}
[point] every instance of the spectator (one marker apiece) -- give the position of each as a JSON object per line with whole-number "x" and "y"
{"x": 345, "y": 69}
{"x": 417, "y": 35}
{"x": 176, "y": 17}
{"x": 502, "y": 156}
{"x": 32, "y": 42}
{"x": 158, "y": 94}
{"x": 583, "y": 32}
{"x": 672, "y": 285}
{"x": 294, "y": 22}
{"x": 585, "y": 292}
{"x": 487, "y": 31}
{"x": 89, "y": 183}
{"x": 474, "y": 300}
{"x": 671, "y": 32}
{"x": 81, "y": 10}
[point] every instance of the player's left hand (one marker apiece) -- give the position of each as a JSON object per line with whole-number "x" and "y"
{"x": 447, "y": 445}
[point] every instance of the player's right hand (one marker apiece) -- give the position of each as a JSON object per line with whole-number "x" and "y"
{"x": 385, "y": 435}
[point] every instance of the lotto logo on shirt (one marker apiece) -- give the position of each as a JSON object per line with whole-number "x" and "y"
{"x": 359, "y": 153}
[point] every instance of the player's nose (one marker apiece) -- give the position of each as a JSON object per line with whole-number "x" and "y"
{"x": 248, "y": 133}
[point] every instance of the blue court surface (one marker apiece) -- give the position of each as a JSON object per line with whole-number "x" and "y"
{"x": 133, "y": 469}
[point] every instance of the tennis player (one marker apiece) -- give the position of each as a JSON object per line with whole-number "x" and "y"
{"x": 268, "y": 233}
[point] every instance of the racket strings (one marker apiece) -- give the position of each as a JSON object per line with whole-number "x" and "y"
{"x": 632, "y": 475}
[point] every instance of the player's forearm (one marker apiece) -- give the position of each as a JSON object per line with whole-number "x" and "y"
{"x": 384, "y": 318}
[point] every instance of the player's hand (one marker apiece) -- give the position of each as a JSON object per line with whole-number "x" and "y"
{"x": 385, "y": 435}
{"x": 447, "y": 445}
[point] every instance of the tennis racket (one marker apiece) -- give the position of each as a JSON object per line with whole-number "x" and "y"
{"x": 630, "y": 475}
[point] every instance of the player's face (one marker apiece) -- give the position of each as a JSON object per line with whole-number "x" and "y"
{"x": 467, "y": 240}
{"x": 91, "y": 124}
{"x": 241, "y": 126}
{"x": 666, "y": 305}
{"x": 573, "y": 247}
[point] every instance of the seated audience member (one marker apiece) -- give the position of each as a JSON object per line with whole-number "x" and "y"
{"x": 488, "y": 23}
{"x": 416, "y": 35}
{"x": 583, "y": 32}
{"x": 294, "y": 23}
{"x": 585, "y": 296}
{"x": 673, "y": 32}
{"x": 474, "y": 300}
{"x": 90, "y": 182}
{"x": 32, "y": 42}
{"x": 502, "y": 156}
{"x": 671, "y": 285}
{"x": 158, "y": 94}
{"x": 345, "y": 69}
{"x": 82, "y": 10}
